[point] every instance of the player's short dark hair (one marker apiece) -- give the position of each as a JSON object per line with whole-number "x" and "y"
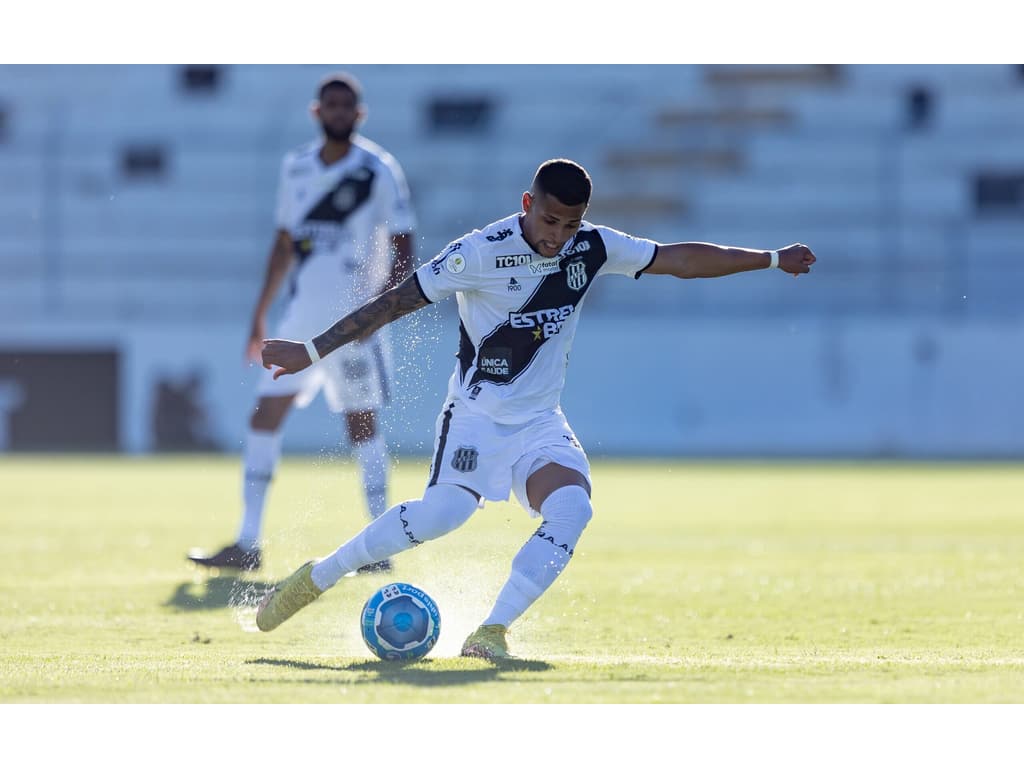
{"x": 566, "y": 180}
{"x": 340, "y": 80}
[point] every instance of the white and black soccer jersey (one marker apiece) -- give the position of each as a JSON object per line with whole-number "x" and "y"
{"x": 519, "y": 310}
{"x": 340, "y": 218}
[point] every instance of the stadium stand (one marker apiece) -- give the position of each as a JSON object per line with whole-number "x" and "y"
{"x": 744, "y": 154}
{"x": 139, "y": 199}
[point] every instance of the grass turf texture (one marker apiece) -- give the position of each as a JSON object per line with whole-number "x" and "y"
{"x": 694, "y": 583}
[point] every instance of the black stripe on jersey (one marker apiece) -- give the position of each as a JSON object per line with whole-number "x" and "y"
{"x": 345, "y": 198}
{"x": 648, "y": 264}
{"x": 419, "y": 287}
{"x": 466, "y": 352}
{"x": 508, "y": 350}
{"x": 442, "y": 440}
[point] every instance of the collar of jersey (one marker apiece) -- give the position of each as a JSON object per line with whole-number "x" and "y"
{"x": 339, "y": 163}
{"x": 522, "y": 236}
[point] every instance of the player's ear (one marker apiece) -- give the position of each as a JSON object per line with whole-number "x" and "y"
{"x": 314, "y": 110}
{"x": 527, "y": 201}
{"x": 362, "y": 112}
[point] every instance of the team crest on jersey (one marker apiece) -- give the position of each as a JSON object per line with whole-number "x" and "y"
{"x": 576, "y": 275}
{"x": 465, "y": 458}
{"x": 344, "y": 198}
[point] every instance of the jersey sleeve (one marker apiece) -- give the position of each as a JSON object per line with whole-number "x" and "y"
{"x": 282, "y": 213}
{"x": 456, "y": 268}
{"x": 396, "y": 203}
{"x": 627, "y": 255}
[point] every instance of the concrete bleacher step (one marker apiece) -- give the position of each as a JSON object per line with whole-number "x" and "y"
{"x": 809, "y": 154}
{"x": 947, "y": 153}
{"x": 189, "y": 299}
{"x": 21, "y": 169}
{"x": 868, "y": 200}
{"x": 223, "y": 171}
{"x": 23, "y": 222}
{"x": 755, "y": 156}
{"x": 955, "y": 77}
{"x": 152, "y": 213}
{"x": 603, "y": 206}
{"x": 725, "y": 117}
{"x": 726, "y": 160}
{"x": 242, "y": 258}
{"x": 995, "y": 242}
{"x": 864, "y": 292}
{"x": 748, "y": 294}
{"x": 21, "y": 261}
{"x": 21, "y": 292}
{"x": 772, "y": 74}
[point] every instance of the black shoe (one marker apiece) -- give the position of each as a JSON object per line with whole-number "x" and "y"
{"x": 231, "y": 556}
{"x": 381, "y": 566}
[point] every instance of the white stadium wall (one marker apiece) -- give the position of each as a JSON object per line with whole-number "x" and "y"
{"x": 764, "y": 389}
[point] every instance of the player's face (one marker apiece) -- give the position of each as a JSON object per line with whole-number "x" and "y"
{"x": 549, "y": 223}
{"x": 338, "y": 113}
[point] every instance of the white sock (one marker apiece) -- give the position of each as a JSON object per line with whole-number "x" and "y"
{"x": 262, "y": 452}
{"x": 373, "y": 457}
{"x": 442, "y": 509}
{"x": 566, "y": 512}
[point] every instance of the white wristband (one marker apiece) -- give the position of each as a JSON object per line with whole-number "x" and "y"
{"x": 314, "y": 356}
{"x": 775, "y": 260}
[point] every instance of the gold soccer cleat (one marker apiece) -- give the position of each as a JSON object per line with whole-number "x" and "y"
{"x": 487, "y": 642}
{"x": 287, "y": 598}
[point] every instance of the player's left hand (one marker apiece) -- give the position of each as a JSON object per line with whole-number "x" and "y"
{"x": 796, "y": 259}
{"x": 289, "y": 356}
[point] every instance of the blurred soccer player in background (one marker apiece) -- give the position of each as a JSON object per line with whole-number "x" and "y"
{"x": 344, "y": 234}
{"x": 520, "y": 284}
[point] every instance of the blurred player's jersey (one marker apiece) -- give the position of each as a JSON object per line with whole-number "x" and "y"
{"x": 519, "y": 310}
{"x": 340, "y": 218}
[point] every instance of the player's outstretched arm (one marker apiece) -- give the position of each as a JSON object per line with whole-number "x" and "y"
{"x": 293, "y": 356}
{"x": 687, "y": 260}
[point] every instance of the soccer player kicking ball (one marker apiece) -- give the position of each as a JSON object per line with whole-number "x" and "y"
{"x": 520, "y": 284}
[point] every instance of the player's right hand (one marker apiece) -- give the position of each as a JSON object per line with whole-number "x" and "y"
{"x": 796, "y": 259}
{"x": 289, "y": 356}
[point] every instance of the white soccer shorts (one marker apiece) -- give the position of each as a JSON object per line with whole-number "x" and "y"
{"x": 495, "y": 459}
{"x": 355, "y": 377}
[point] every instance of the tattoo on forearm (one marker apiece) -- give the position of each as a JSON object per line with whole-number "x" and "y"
{"x": 375, "y": 314}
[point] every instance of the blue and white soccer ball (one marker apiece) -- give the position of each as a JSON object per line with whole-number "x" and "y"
{"x": 400, "y": 622}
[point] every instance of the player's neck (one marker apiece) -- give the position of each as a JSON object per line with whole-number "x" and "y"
{"x": 332, "y": 151}
{"x": 526, "y": 237}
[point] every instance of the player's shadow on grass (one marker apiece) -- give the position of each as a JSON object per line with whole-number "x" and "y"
{"x": 216, "y": 593}
{"x": 417, "y": 672}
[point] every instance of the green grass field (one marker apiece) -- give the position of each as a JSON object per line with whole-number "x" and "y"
{"x": 695, "y": 583}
